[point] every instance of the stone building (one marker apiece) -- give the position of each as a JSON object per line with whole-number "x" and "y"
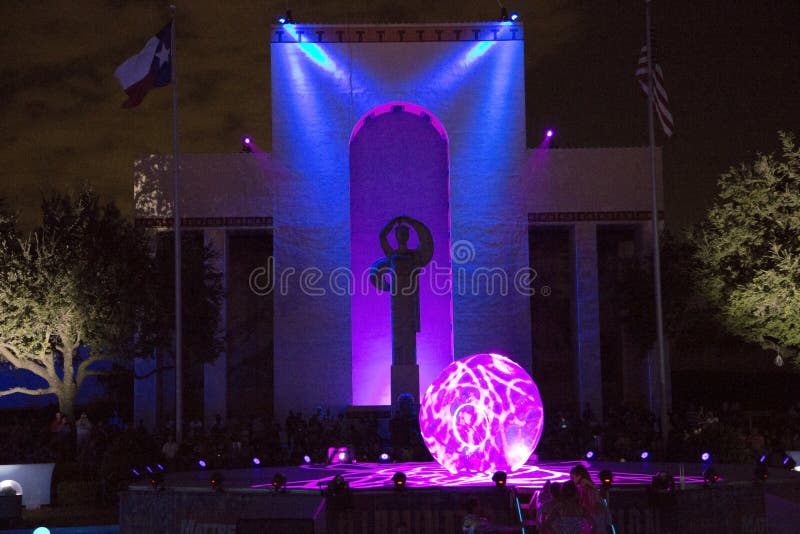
{"x": 426, "y": 121}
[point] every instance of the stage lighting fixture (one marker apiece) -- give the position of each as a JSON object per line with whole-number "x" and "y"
{"x": 705, "y": 457}
{"x": 589, "y": 455}
{"x": 399, "y": 480}
{"x": 710, "y": 476}
{"x": 307, "y": 459}
{"x": 499, "y": 478}
{"x": 256, "y": 461}
{"x": 663, "y": 482}
{"x": 384, "y": 458}
{"x": 216, "y": 482}
{"x": 247, "y": 145}
{"x": 763, "y": 459}
{"x": 149, "y": 469}
{"x": 788, "y": 462}
{"x": 340, "y": 455}
{"x": 279, "y": 483}
{"x": 157, "y": 481}
{"x": 606, "y": 477}
{"x": 287, "y": 18}
{"x": 338, "y": 486}
{"x": 644, "y": 456}
{"x": 761, "y": 472}
{"x": 136, "y": 473}
{"x": 549, "y": 134}
{"x": 514, "y": 16}
{"x": 160, "y": 467}
{"x": 202, "y": 463}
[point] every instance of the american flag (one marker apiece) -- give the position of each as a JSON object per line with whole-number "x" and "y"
{"x": 660, "y": 98}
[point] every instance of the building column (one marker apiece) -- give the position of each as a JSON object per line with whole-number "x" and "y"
{"x": 587, "y": 318}
{"x": 215, "y": 374}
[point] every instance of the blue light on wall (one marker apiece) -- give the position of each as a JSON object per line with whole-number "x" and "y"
{"x": 478, "y": 51}
{"x": 313, "y": 51}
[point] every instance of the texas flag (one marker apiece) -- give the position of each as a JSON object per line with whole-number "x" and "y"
{"x": 152, "y": 67}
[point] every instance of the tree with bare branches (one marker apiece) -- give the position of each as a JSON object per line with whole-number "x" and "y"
{"x": 79, "y": 296}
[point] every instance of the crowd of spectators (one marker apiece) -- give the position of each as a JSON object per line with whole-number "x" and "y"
{"x": 730, "y": 433}
{"x": 104, "y": 444}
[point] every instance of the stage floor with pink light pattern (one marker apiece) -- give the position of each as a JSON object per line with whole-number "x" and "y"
{"x": 430, "y": 474}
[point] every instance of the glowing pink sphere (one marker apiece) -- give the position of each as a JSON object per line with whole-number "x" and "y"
{"x": 482, "y": 414}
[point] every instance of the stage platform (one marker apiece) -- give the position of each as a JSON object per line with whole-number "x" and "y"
{"x": 433, "y": 500}
{"x": 361, "y": 476}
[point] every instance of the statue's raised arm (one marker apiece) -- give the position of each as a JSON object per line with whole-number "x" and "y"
{"x": 424, "y": 251}
{"x": 387, "y": 248}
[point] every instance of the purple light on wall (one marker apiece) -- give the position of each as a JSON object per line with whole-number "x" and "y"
{"x": 407, "y": 146}
{"x": 483, "y": 413}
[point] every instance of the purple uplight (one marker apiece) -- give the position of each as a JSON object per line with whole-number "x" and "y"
{"x": 483, "y": 413}
{"x": 705, "y": 456}
{"x": 201, "y": 463}
{"x": 247, "y": 140}
{"x": 430, "y": 474}
{"x": 549, "y": 133}
{"x": 256, "y": 461}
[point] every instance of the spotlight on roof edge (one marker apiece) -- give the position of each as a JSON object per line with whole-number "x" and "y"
{"x": 287, "y": 18}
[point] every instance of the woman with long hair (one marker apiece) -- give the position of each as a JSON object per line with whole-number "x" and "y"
{"x": 590, "y": 499}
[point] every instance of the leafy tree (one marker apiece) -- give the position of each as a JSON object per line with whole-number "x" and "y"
{"x": 748, "y": 249}
{"x": 82, "y": 290}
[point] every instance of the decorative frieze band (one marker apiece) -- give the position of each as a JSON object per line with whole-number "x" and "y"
{"x": 598, "y": 216}
{"x": 396, "y": 33}
{"x": 205, "y": 222}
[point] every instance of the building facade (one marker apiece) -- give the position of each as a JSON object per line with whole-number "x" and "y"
{"x": 427, "y": 122}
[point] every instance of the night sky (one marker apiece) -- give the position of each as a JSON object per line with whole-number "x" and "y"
{"x": 731, "y": 69}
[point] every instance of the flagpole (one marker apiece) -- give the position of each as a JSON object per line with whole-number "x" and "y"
{"x": 176, "y": 215}
{"x": 664, "y": 419}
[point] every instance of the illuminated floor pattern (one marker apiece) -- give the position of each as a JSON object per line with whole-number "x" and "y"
{"x": 429, "y": 474}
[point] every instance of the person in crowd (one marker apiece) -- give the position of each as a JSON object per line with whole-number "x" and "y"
{"x": 477, "y": 522}
{"x": 55, "y": 427}
{"x": 170, "y": 450}
{"x": 568, "y": 516}
{"x": 83, "y": 432}
{"x": 589, "y": 498}
{"x": 65, "y": 437}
